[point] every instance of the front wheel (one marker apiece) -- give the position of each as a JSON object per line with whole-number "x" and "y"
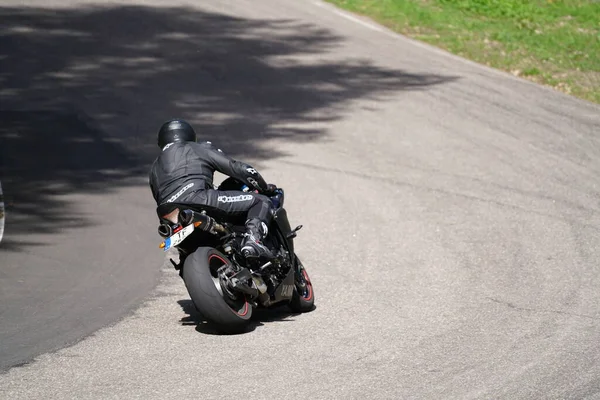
{"x": 229, "y": 312}
{"x": 303, "y": 298}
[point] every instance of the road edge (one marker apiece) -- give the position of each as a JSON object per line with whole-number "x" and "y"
{"x": 369, "y": 23}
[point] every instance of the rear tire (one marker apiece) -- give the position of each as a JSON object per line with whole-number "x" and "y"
{"x": 202, "y": 282}
{"x": 303, "y": 298}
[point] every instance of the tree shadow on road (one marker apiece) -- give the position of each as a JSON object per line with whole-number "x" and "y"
{"x": 83, "y": 91}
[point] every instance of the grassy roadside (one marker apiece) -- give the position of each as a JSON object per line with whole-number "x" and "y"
{"x": 551, "y": 42}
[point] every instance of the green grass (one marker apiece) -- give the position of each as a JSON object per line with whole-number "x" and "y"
{"x": 552, "y": 42}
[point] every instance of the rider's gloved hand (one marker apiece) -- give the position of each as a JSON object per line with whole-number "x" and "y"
{"x": 271, "y": 189}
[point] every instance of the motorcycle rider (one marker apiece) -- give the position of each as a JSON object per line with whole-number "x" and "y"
{"x": 183, "y": 172}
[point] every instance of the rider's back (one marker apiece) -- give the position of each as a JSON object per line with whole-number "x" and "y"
{"x": 182, "y": 165}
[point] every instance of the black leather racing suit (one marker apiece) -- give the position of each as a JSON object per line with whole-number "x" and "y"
{"x": 184, "y": 171}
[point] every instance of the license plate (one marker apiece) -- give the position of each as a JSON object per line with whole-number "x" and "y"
{"x": 178, "y": 237}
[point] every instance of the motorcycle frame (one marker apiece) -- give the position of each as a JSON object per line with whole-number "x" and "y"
{"x": 279, "y": 231}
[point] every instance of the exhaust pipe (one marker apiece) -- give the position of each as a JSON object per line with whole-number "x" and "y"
{"x": 165, "y": 230}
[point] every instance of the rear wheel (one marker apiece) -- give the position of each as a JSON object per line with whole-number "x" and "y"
{"x": 228, "y": 311}
{"x": 303, "y": 298}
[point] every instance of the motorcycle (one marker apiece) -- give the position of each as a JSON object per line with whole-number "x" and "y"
{"x": 226, "y": 287}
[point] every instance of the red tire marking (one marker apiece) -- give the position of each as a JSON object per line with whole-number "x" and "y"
{"x": 308, "y": 285}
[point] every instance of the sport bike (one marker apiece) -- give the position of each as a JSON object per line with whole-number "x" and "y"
{"x": 225, "y": 286}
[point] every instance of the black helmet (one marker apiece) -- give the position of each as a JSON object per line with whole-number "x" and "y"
{"x": 175, "y": 130}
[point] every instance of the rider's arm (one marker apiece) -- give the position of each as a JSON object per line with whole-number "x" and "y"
{"x": 234, "y": 168}
{"x": 152, "y": 183}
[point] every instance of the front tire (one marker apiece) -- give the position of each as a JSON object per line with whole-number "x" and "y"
{"x": 303, "y": 298}
{"x": 230, "y": 315}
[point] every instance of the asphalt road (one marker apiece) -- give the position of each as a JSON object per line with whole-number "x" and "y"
{"x": 450, "y": 211}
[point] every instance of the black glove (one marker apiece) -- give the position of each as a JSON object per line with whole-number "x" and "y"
{"x": 270, "y": 190}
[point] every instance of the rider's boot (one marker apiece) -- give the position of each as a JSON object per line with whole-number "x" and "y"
{"x": 252, "y": 246}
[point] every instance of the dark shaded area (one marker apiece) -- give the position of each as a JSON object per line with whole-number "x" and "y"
{"x": 47, "y": 154}
{"x": 280, "y": 313}
{"x": 84, "y": 90}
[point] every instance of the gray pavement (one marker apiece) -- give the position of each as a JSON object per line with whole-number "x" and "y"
{"x": 450, "y": 211}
